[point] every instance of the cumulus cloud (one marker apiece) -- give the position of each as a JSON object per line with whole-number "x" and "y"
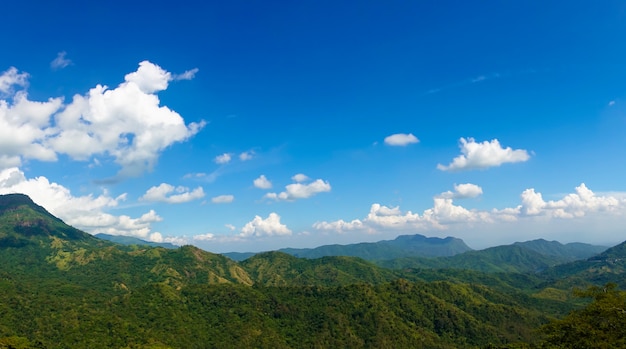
{"x": 445, "y": 214}
{"x": 83, "y": 212}
{"x": 577, "y": 204}
{"x": 401, "y": 139}
{"x": 483, "y": 155}
{"x": 223, "y": 199}
{"x": 172, "y": 195}
{"x": 223, "y": 159}
{"x": 270, "y": 226}
{"x": 300, "y": 190}
{"x": 126, "y": 123}
{"x": 60, "y": 61}
{"x": 462, "y": 191}
{"x": 262, "y": 182}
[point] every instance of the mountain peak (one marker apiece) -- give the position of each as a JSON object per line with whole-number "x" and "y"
{"x": 12, "y": 201}
{"x": 22, "y": 221}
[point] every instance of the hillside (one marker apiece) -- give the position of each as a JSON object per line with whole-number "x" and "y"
{"x": 608, "y": 266}
{"x": 58, "y": 284}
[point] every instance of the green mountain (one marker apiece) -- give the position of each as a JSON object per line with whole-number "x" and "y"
{"x": 281, "y": 269}
{"x": 402, "y": 246}
{"x": 22, "y": 223}
{"x": 508, "y": 258}
{"x": 128, "y": 240}
{"x": 570, "y": 252}
{"x": 607, "y": 267}
{"x": 63, "y": 288}
{"x": 520, "y": 257}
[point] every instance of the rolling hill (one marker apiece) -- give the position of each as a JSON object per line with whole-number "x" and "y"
{"x": 61, "y": 287}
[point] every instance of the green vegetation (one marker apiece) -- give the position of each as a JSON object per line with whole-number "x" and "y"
{"x": 62, "y": 288}
{"x": 601, "y": 324}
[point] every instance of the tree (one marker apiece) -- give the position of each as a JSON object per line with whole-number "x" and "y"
{"x": 601, "y": 324}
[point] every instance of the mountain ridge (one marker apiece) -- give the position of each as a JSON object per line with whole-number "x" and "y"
{"x": 401, "y": 246}
{"x": 57, "y": 286}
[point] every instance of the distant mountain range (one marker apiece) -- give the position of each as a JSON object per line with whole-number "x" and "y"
{"x": 128, "y": 240}
{"x": 521, "y": 257}
{"x": 402, "y": 246}
{"x": 58, "y": 283}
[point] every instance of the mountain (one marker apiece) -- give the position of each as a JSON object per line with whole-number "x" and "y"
{"x": 58, "y": 284}
{"x": 402, "y": 246}
{"x": 282, "y": 269}
{"x": 22, "y": 222}
{"x": 608, "y": 266}
{"x": 507, "y": 258}
{"x": 571, "y": 251}
{"x": 128, "y": 240}
{"x": 520, "y": 257}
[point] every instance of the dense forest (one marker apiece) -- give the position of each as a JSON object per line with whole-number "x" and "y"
{"x": 63, "y": 288}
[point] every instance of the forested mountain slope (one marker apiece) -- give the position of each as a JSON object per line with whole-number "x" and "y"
{"x": 63, "y": 288}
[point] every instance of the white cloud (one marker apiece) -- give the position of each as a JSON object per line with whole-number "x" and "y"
{"x": 462, "y": 191}
{"x": 301, "y": 191}
{"x": 611, "y": 103}
{"x": 299, "y": 178}
{"x": 246, "y": 155}
{"x": 187, "y": 75}
{"x": 172, "y": 195}
{"x": 24, "y": 129}
{"x": 483, "y": 155}
{"x": 262, "y": 182}
{"x": 445, "y": 215}
{"x": 401, "y": 139}
{"x": 150, "y": 78}
{"x": 204, "y": 237}
{"x": 230, "y": 227}
{"x": 10, "y": 78}
{"x": 126, "y": 123}
{"x": 223, "y": 199}
{"x": 83, "y": 212}
{"x": 270, "y": 226}
{"x": 223, "y": 159}
{"x": 577, "y": 204}
{"x": 60, "y": 61}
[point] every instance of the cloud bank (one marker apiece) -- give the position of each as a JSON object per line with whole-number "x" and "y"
{"x": 445, "y": 214}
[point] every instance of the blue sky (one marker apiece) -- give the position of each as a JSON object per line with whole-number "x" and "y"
{"x": 248, "y": 126}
